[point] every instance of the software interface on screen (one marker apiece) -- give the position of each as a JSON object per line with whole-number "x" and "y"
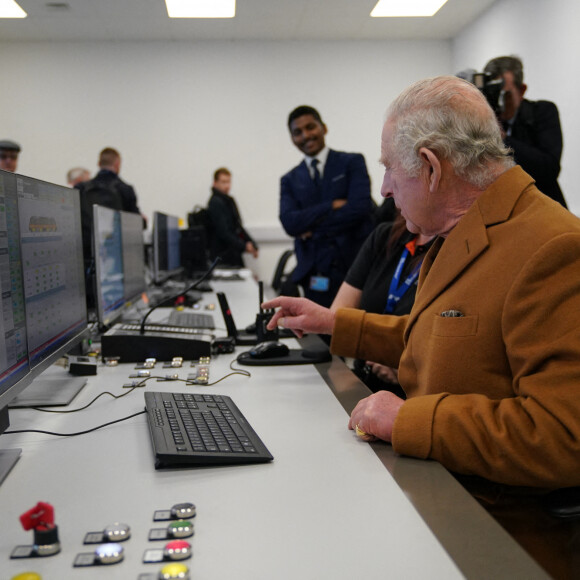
{"x": 108, "y": 261}
{"x": 43, "y": 306}
{"x": 119, "y": 259}
{"x": 52, "y": 265}
{"x": 13, "y": 346}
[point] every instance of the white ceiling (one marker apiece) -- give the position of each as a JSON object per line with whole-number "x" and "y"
{"x": 55, "y": 20}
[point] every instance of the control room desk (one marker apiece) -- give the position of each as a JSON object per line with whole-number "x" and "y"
{"x": 329, "y": 506}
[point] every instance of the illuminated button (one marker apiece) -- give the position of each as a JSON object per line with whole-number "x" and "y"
{"x": 183, "y": 511}
{"x": 35, "y": 576}
{"x": 172, "y": 571}
{"x": 178, "y": 550}
{"x": 180, "y": 529}
{"x": 109, "y": 553}
{"x": 117, "y": 532}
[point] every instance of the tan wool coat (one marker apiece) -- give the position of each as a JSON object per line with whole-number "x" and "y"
{"x": 494, "y": 392}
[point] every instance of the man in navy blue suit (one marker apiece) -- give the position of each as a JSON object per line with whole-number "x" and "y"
{"x": 325, "y": 205}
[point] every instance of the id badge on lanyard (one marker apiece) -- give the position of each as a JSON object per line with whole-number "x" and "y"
{"x": 396, "y": 290}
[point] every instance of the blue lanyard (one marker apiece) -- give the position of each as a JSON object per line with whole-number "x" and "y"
{"x": 396, "y": 292}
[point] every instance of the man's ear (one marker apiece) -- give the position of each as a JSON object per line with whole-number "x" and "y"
{"x": 523, "y": 89}
{"x": 432, "y": 166}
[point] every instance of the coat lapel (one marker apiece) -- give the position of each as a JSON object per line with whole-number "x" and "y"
{"x": 329, "y": 173}
{"x": 447, "y": 259}
{"x": 305, "y": 183}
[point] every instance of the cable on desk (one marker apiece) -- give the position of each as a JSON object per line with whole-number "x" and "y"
{"x": 240, "y": 371}
{"x": 91, "y": 402}
{"x": 236, "y": 371}
{"x": 74, "y": 434}
{"x": 140, "y": 384}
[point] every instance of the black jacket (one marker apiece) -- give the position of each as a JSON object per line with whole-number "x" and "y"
{"x": 536, "y": 139}
{"x": 106, "y": 189}
{"x": 228, "y": 237}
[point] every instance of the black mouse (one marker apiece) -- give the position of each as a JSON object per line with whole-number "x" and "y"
{"x": 269, "y": 349}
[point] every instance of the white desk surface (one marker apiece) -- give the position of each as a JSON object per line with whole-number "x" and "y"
{"x": 327, "y": 507}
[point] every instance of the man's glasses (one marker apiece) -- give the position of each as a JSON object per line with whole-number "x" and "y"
{"x": 8, "y": 155}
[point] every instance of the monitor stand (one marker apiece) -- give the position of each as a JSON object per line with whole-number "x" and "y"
{"x": 55, "y": 387}
{"x": 8, "y": 459}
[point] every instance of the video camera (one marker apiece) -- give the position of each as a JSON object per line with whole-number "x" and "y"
{"x": 490, "y": 87}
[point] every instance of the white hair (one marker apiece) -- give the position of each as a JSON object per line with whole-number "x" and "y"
{"x": 452, "y": 118}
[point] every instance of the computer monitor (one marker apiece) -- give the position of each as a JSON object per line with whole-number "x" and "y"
{"x": 133, "y": 255}
{"x": 166, "y": 250}
{"x": 119, "y": 262}
{"x": 108, "y": 253}
{"x": 42, "y": 287}
{"x": 194, "y": 251}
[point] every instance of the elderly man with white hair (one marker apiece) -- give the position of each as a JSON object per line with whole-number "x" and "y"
{"x": 489, "y": 356}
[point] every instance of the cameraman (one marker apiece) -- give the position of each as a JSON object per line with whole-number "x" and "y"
{"x": 531, "y": 128}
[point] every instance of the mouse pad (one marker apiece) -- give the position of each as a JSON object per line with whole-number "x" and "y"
{"x": 294, "y": 357}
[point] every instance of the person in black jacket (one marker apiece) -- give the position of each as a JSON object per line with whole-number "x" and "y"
{"x": 383, "y": 279}
{"x": 106, "y": 189}
{"x": 530, "y": 128}
{"x": 229, "y": 238}
{"x": 108, "y": 180}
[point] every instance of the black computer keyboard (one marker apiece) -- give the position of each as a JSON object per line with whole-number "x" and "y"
{"x": 191, "y": 319}
{"x": 195, "y": 429}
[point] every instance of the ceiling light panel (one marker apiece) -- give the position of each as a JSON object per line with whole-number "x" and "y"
{"x": 406, "y": 8}
{"x": 201, "y": 8}
{"x": 10, "y": 9}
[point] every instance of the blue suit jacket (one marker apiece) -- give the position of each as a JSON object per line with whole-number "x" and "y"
{"x": 338, "y": 234}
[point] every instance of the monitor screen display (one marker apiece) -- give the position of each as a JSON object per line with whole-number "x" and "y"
{"x": 133, "y": 255}
{"x": 119, "y": 261}
{"x": 108, "y": 252}
{"x": 13, "y": 345}
{"x": 166, "y": 250}
{"x": 41, "y": 279}
{"x": 52, "y": 265}
{"x": 43, "y": 306}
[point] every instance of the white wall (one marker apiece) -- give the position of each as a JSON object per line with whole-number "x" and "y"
{"x": 177, "y": 111}
{"x": 545, "y": 36}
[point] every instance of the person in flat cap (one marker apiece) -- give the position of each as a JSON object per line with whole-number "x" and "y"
{"x": 9, "y": 151}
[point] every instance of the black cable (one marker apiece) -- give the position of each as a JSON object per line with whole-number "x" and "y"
{"x": 131, "y": 389}
{"x": 236, "y": 371}
{"x": 182, "y": 293}
{"x": 91, "y": 402}
{"x": 74, "y": 434}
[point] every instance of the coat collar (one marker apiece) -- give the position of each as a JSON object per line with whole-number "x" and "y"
{"x": 448, "y": 258}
